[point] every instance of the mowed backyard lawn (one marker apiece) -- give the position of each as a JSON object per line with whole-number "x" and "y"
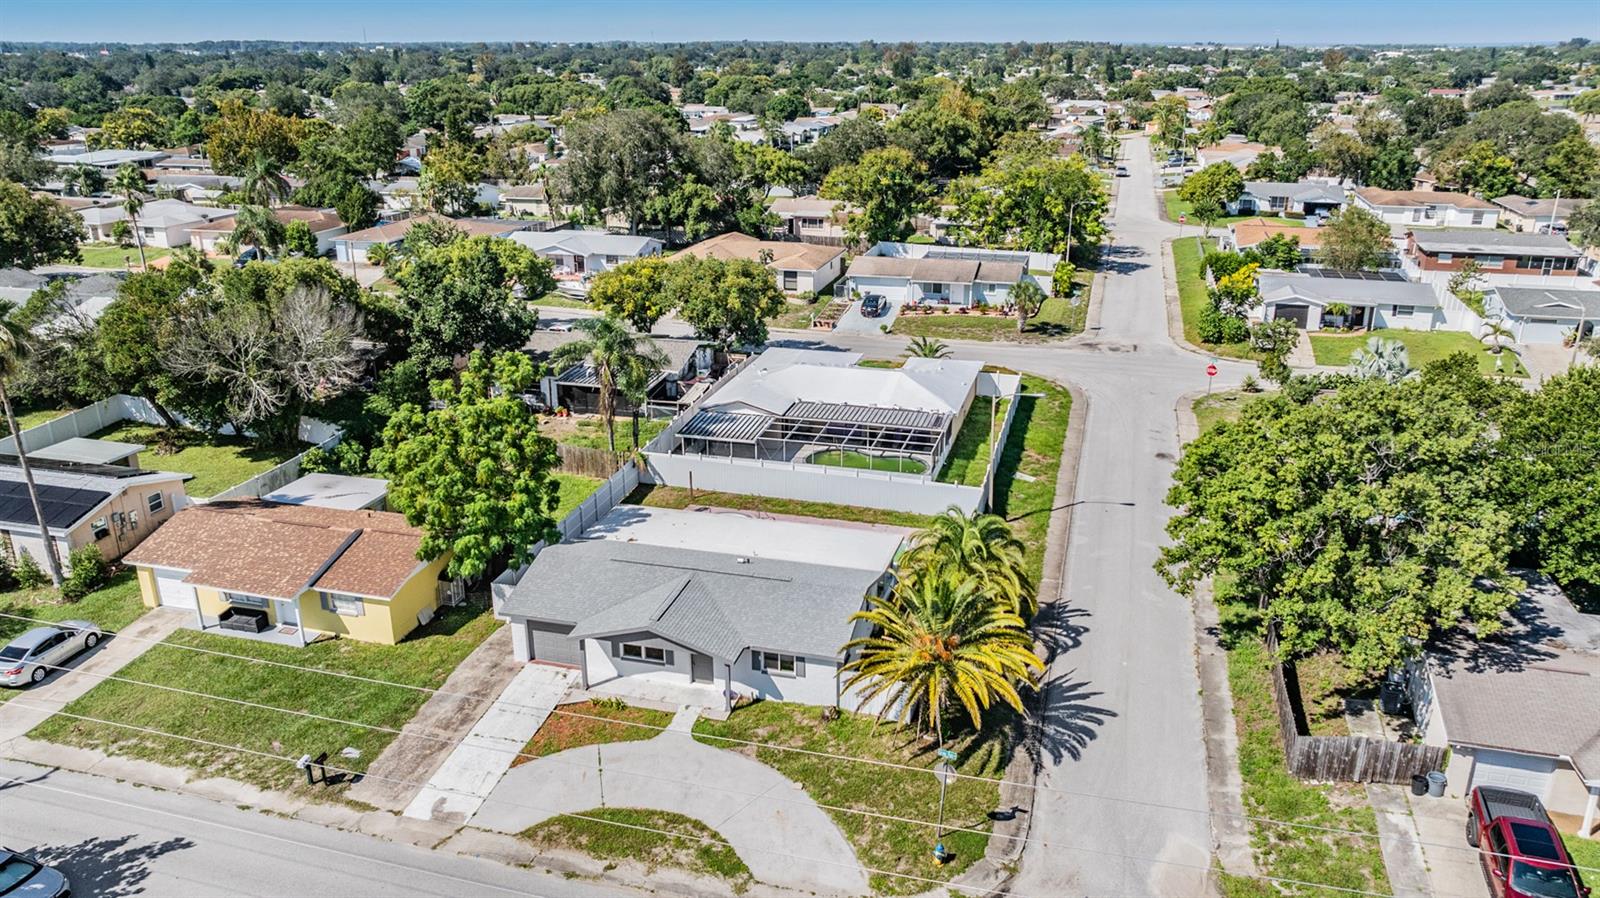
{"x": 112, "y": 607}
{"x": 1422, "y": 346}
{"x": 1059, "y": 316}
{"x": 250, "y": 743}
{"x": 32, "y": 418}
{"x": 833, "y": 780}
{"x": 217, "y": 462}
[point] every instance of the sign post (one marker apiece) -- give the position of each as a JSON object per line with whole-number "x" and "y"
{"x": 946, "y": 772}
{"x": 1211, "y": 373}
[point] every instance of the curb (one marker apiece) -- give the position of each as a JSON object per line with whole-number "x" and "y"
{"x": 1230, "y": 832}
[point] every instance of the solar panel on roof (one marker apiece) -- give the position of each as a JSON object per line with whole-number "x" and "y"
{"x": 1339, "y": 274}
{"x": 969, "y": 256}
{"x": 63, "y": 506}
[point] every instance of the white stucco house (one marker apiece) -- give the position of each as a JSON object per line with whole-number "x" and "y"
{"x": 1380, "y": 302}
{"x": 1427, "y": 208}
{"x": 946, "y": 275}
{"x": 163, "y": 223}
{"x": 1544, "y": 314}
{"x": 705, "y": 605}
{"x": 580, "y": 253}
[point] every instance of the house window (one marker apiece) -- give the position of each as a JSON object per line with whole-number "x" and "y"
{"x": 779, "y": 665}
{"x": 791, "y": 280}
{"x": 1477, "y": 218}
{"x": 935, "y": 289}
{"x": 156, "y": 502}
{"x": 810, "y": 223}
{"x": 1447, "y": 257}
{"x": 611, "y": 260}
{"x": 347, "y": 606}
{"x": 1402, "y": 310}
{"x": 101, "y": 531}
{"x": 1491, "y": 261}
{"x": 1416, "y": 214}
{"x": 245, "y": 601}
{"x": 647, "y": 653}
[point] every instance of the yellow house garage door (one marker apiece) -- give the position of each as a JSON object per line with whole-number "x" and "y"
{"x": 173, "y": 591}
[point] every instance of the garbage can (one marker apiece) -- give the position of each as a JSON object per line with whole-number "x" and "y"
{"x": 1436, "y": 782}
{"x": 1419, "y": 784}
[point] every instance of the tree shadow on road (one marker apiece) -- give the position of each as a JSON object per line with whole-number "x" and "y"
{"x": 1121, "y": 259}
{"x": 1059, "y": 627}
{"x": 107, "y": 867}
{"x": 1064, "y": 720}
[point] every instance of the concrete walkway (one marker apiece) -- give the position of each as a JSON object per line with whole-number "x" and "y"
{"x": 853, "y": 322}
{"x": 458, "y": 788}
{"x": 790, "y": 843}
{"x": 62, "y": 687}
{"x": 395, "y": 778}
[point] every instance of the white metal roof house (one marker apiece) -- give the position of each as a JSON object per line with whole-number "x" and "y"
{"x": 1290, "y": 198}
{"x": 1543, "y": 314}
{"x": 110, "y": 160}
{"x": 1521, "y": 709}
{"x": 579, "y": 253}
{"x": 815, "y": 425}
{"x": 1371, "y": 299}
{"x": 697, "y": 607}
{"x": 946, "y": 275}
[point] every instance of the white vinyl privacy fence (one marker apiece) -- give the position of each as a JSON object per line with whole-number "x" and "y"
{"x": 114, "y": 410}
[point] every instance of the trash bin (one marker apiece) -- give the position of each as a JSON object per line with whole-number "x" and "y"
{"x": 1436, "y": 782}
{"x": 1419, "y": 784}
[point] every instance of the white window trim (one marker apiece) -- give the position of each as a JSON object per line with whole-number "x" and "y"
{"x": 244, "y": 600}
{"x": 331, "y": 601}
{"x": 643, "y": 656}
{"x": 772, "y": 664}
{"x": 155, "y": 502}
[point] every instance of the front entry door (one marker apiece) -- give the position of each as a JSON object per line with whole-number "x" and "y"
{"x": 700, "y": 668}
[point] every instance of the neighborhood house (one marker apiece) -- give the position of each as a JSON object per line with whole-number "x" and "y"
{"x": 1361, "y": 299}
{"x": 162, "y": 223}
{"x": 293, "y": 573}
{"x": 702, "y": 607}
{"x": 1293, "y": 199}
{"x": 580, "y": 253}
{"x": 1428, "y": 208}
{"x": 1541, "y": 315}
{"x": 799, "y": 267}
{"x": 912, "y": 272}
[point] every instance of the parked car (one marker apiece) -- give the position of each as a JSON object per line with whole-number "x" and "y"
{"x": 871, "y": 306}
{"x": 32, "y": 656}
{"x": 1122, "y": 171}
{"x": 1521, "y": 852}
{"x": 23, "y": 877}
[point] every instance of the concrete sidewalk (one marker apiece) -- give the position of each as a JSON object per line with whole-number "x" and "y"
{"x": 774, "y": 827}
{"x": 458, "y": 788}
{"x": 62, "y": 687}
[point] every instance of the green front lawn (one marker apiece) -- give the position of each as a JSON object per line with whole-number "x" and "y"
{"x": 557, "y": 300}
{"x": 113, "y": 606}
{"x": 625, "y": 834}
{"x": 1177, "y": 207}
{"x": 1348, "y": 862}
{"x": 860, "y": 461}
{"x": 574, "y": 489}
{"x": 1033, "y": 448}
{"x": 678, "y": 497}
{"x": 1209, "y": 411}
{"x": 796, "y": 315}
{"x": 968, "y": 460}
{"x": 423, "y": 659}
{"x": 32, "y": 418}
{"x": 1193, "y": 296}
{"x": 1585, "y": 853}
{"x": 1422, "y": 346}
{"x": 580, "y": 727}
{"x": 217, "y": 462}
{"x": 833, "y": 780}
{"x": 952, "y": 326}
{"x": 110, "y": 255}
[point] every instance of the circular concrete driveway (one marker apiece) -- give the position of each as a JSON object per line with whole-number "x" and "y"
{"x": 776, "y": 829}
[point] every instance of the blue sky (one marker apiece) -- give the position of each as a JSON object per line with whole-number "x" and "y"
{"x": 1132, "y": 21}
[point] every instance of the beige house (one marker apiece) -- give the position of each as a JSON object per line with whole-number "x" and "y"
{"x": 325, "y": 225}
{"x": 1540, "y": 216}
{"x": 799, "y": 267}
{"x": 92, "y": 493}
{"x": 811, "y": 217}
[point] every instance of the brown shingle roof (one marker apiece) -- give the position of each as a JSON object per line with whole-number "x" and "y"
{"x": 798, "y": 256}
{"x": 396, "y": 230}
{"x": 263, "y": 548}
{"x": 1249, "y": 233}
{"x": 1380, "y": 197}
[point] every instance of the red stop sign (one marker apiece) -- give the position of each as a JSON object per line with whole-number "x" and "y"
{"x": 1211, "y": 371}
{"x": 1182, "y": 219}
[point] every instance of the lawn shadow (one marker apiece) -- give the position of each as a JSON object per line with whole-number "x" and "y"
{"x": 1011, "y": 454}
{"x": 108, "y": 867}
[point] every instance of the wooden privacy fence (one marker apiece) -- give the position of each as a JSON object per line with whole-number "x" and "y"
{"x": 1354, "y": 759}
{"x": 589, "y": 462}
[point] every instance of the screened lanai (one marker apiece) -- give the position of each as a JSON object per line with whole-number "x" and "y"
{"x": 831, "y": 433}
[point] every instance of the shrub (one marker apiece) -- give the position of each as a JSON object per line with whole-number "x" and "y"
{"x": 8, "y": 573}
{"x": 1061, "y": 278}
{"x": 1250, "y": 385}
{"x": 1216, "y": 327}
{"x": 317, "y": 460}
{"x": 29, "y": 574}
{"x": 1221, "y": 264}
{"x": 89, "y": 572}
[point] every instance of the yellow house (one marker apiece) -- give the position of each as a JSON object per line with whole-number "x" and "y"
{"x": 292, "y": 573}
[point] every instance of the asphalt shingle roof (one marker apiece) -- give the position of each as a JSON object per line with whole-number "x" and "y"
{"x": 1485, "y": 240}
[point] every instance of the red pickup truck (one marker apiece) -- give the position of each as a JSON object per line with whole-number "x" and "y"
{"x": 1521, "y": 852}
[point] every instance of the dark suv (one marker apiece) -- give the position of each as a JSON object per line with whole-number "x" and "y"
{"x": 872, "y": 306}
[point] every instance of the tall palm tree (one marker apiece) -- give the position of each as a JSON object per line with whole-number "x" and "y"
{"x": 927, "y": 348}
{"x": 980, "y": 548}
{"x": 622, "y": 361}
{"x": 1029, "y": 298}
{"x": 84, "y": 180}
{"x": 13, "y": 350}
{"x": 130, "y": 183}
{"x": 935, "y": 643}
{"x": 263, "y": 183}
{"x": 257, "y": 227}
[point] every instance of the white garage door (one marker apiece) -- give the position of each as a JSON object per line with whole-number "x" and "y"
{"x": 1545, "y": 330}
{"x": 173, "y": 591}
{"x": 1512, "y": 771}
